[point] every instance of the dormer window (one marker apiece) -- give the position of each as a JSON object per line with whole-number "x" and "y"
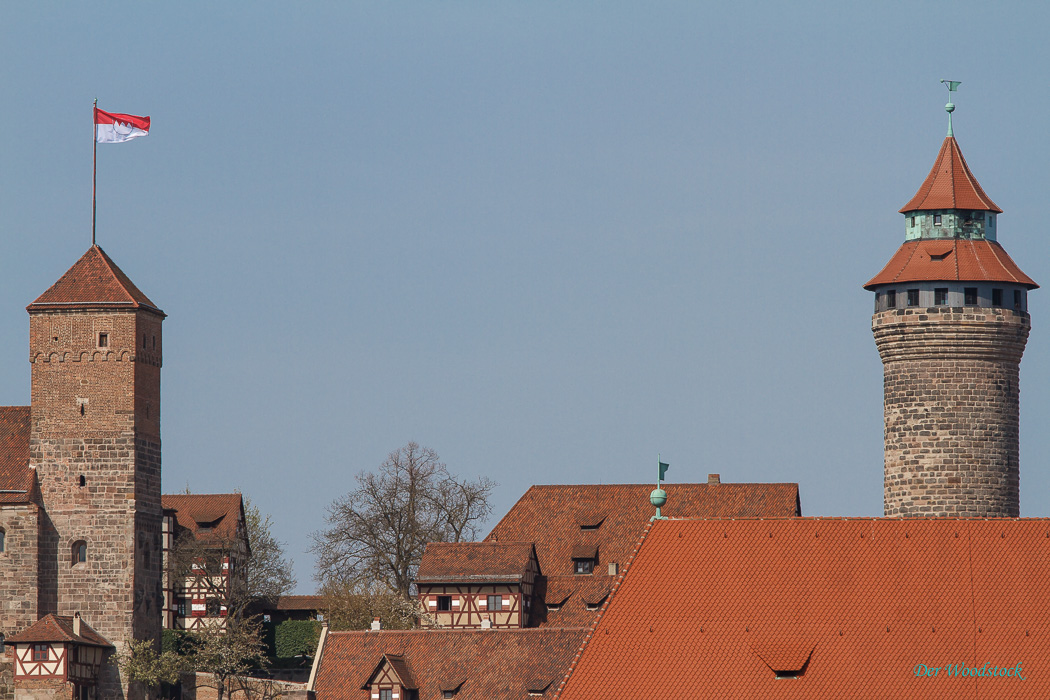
{"x": 583, "y": 566}
{"x": 936, "y": 219}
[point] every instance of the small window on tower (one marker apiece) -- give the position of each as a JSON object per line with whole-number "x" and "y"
{"x": 3, "y": 537}
{"x": 997, "y": 297}
{"x": 103, "y": 340}
{"x": 83, "y": 480}
{"x": 913, "y": 221}
{"x": 891, "y": 299}
{"x": 936, "y": 219}
{"x": 913, "y": 297}
{"x": 971, "y": 296}
{"x": 143, "y": 341}
{"x": 940, "y": 296}
{"x": 79, "y": 552}
{"x": 1017, "y": 299}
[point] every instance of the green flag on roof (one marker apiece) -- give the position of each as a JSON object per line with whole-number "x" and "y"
{"x": 663, "y": 469}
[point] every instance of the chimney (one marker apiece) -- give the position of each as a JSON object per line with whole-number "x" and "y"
{"x": 376, "y": 624}
{"x": 76, "y": 624}
{"x": 486, "y": 624}
{"x": 713, "y": 479}
{"x": 613, "y": 568}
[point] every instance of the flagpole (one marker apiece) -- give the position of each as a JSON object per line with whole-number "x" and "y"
{"x": 94, "y": 166}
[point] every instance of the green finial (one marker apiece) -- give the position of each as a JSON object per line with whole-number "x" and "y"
{"x": 659, "y": 497}
{"x": 952, "y": 86}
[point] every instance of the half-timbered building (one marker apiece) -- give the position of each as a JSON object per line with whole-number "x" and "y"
{"x": 58, "y": 658}
{"x": 205, "y": 545}
{"x": 477, "y": 584}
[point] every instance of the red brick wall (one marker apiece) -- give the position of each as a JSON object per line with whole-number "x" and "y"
{"x": 951, "y": 410}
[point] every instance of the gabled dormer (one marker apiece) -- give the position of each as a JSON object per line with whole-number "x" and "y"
{"x": 391, "y": 679}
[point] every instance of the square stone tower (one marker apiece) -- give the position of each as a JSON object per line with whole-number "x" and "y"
{"x": 95, "y": 349}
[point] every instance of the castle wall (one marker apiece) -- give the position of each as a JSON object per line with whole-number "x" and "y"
{"x": 18, "y": 567}
{"x": 951, "y": 410}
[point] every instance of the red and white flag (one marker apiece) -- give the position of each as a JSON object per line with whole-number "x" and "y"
{"x": 118, "y": 128}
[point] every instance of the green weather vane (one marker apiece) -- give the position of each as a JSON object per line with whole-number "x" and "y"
{"x": 659, "y": 497}
{"x": 952, "y": 86}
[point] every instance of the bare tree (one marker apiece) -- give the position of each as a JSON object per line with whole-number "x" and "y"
{"x": 267, "y": 572}
{"x": 376, "y": 533}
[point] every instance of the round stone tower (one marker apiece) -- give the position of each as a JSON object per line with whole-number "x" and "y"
{"x": 951, "y": 322}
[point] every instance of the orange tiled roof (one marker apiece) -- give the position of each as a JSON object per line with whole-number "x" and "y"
{"x": 489, "y": 663}
{"x": 225, "y": 510}
{"x": 58, "y": 628}
{"x": 950, "y": 184}
{"x": 17, "y": 479}
{"x": 551, "y": 516}
{"x": 458, "y": 561}
{"x": 94, "y": 280}
{"x": 950, "y": 259}
{"x": 300, "y": 602}
{"x": 712, "y": 608}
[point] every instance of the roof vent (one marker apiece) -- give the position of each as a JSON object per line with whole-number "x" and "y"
{"x": 786, "y": 658}
{"x": 376, "y": 624}
{"x": 486, "y": 624}
{"x": 713, "y": 479}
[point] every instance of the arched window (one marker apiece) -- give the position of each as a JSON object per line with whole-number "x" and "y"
{"x": 79, "y": 552}
{"x": 3, "y": 540}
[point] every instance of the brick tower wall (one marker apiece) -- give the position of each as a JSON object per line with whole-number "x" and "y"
{"x": 951, "y": 410}
{"x": 96, "y": 415}
{"x": 18, "y": 580}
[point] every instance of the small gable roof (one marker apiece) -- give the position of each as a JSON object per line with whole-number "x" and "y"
{"x": 17, "y": 479}
{"x": 194, "y": 511}
{"x": 844, "y": 606}
{"x": 950, "y": 185}
{"x": 93, "y": 281}
{"x": 953, "y": 259}
{"x": 482, "y": 664}
{"x": 400, "y": 668}
{"x": 58, "y": 628}
{"x": 474, "y": 561}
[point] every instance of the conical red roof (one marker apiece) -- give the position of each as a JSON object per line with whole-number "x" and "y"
{"x": 950, "y": 185}
{"x": 950, "y": 259}
{"x": 93, "y": 281}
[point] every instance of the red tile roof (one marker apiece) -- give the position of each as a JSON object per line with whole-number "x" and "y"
{"x": 192, "y": 510}
{"x": 448, "y": 562}
{"x": 58, "y": 628}
{"x": 714, "y": 608}
{"x": 952, "y": 259}
{"x": 93, "y": 281}
{"x": 490, "y": 663}
{"x": 300, "y": 602}
{"x": 950, "y": 184}
{"x": 17, "y": 480}
{"x": 550, "y": 515}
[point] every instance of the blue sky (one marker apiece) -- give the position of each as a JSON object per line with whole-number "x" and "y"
{"x": 548, "y": 240}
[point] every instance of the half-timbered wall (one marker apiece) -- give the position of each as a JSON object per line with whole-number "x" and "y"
{"x": 386, "y": 679}
{"x": 200, "y": 600}
{"x": 469, "y": 605}
{"x": 32, "y": 662}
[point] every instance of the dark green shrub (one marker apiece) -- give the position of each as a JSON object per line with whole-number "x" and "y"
{"x": 297, "y": 637}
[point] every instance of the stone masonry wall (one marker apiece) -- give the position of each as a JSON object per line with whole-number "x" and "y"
{"x": 951, "y": 410}
{"x": 96, "y": 444}
{"x": 18, "y": 568}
